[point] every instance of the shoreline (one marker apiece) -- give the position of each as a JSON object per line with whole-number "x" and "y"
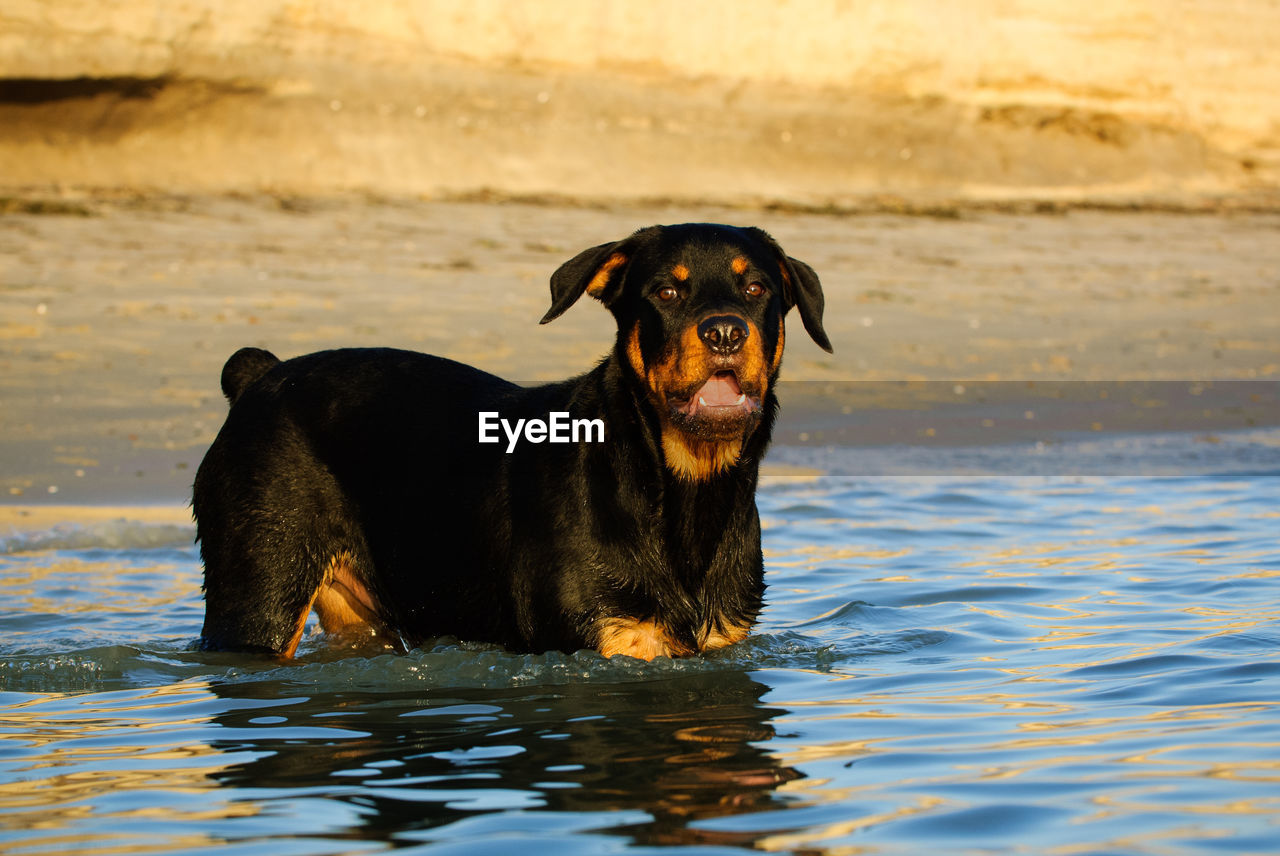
{"x": 1070, "y": 458}
{"x": 114, "y": 327}
{"x": 95, "y": 200}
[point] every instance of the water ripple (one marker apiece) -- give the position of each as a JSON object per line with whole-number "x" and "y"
{"x": 976, "y": 664}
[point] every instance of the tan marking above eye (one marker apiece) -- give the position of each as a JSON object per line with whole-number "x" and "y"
{"x": 680, "y": 272}
{"x": 739, "y": 265}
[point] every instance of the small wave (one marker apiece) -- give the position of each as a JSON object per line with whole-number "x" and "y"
{"x": 1250, "y": 452}
{"x": 451, "y": 665}
{"x": 470, "y": 666}
{"x": 101, "y": 667}
{"x": 112, "y": 535}
{"x": 459, "y": 666}
{"x": 463, "y": 666}
{"x": 67, "y": 672}
{"x": 484, "y": 667}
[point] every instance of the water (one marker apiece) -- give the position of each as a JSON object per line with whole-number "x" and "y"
{"x": 973, "y": 664}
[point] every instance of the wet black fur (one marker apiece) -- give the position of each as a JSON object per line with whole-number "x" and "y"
{"x": 374, "y": 452}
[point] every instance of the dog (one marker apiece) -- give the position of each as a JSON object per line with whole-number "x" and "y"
{"x": 374, "y": 486}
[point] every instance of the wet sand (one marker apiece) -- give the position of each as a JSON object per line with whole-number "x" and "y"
{"x": 116, "y": 316}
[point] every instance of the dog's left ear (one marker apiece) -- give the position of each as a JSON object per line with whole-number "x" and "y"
{"x": 598, "y": 271}
{"x": 801, "y": 289}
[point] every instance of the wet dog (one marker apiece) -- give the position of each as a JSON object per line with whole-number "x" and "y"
{"x": 406, "y": 497}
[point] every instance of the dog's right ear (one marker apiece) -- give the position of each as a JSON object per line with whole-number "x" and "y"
{"x": 598, "y": 271}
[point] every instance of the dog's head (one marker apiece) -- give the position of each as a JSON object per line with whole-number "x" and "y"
{"x": 700, "y": 311}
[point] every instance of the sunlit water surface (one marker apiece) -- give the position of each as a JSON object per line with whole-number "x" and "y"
{"x": 978, "y": 664}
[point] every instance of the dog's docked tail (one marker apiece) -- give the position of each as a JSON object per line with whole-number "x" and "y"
{"x": 243, "y": 368}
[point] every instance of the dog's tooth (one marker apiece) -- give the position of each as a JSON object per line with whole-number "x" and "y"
{"x": 741, "y": 398}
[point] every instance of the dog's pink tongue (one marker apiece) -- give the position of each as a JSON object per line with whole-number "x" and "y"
{"x": 721, "y": 390}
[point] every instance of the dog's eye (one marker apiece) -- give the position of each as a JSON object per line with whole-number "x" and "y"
{"x": 753, "y": 289}
{"x": 667, "y": 294}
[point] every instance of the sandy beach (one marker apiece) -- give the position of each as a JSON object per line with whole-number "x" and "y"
{"x": 117, "y": 314}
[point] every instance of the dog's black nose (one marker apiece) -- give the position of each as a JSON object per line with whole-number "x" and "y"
{"x": 724, "y": 334}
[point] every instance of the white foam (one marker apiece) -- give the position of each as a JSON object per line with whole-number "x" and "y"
{"x": 120, "y": 534}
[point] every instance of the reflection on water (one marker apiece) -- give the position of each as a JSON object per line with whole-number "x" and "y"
{"x": 663, "y": 753}
{"x": 1033, "y": 665}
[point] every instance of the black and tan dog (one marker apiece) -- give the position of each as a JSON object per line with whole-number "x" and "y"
{"x": 354, "y": 482}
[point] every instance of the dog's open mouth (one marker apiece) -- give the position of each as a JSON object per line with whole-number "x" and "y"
{"x": 720, "y": 397}
{"x": 721, "y": 390}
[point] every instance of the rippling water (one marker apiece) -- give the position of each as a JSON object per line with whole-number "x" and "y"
{"x": 975, "y": 664}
